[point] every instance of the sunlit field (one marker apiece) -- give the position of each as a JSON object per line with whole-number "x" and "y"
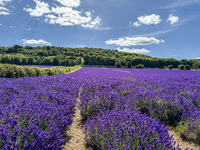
{"x": 121, "y": 109}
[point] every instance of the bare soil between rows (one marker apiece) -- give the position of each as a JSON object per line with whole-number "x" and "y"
{"x": 75, "y": 131}
{"x": 182, "y": 144}
{"x": 76, "y": 140}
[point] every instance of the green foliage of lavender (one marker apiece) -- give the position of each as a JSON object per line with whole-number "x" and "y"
{"x": 14, "y": 71}
{"x": 189, "y": 130}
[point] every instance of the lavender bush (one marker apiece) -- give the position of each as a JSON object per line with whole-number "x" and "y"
{"x": 35, "y": 111}
{"x": 168, "y": 95}
{"x": 126, "y": 130}
{"x": 122, "y": 108}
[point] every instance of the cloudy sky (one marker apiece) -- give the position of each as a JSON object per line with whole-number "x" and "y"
{"x": 164, "y": 29}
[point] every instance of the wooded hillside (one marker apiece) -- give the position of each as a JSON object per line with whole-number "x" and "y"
{"x": 51, "y": 55}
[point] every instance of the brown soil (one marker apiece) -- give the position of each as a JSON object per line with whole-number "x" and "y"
{"x": 129, "y": 79}
{"x": 182, "y": 144}
{"x": 123, "y": 71}
{"x": 75, "y": 131}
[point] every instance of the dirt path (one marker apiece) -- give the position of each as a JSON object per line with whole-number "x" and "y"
{"x": 123, "y": 71}
{"x": 77, "y": 137}
{"x": 182, "y": 144}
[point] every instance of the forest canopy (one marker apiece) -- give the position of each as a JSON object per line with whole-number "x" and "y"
{"x": 52, "y": 55}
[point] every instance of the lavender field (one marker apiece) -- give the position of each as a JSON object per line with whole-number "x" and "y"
{"x": 122, "y": 109}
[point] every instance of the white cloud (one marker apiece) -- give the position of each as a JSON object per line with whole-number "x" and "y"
{"x": 4, "y": 13}
{"x": 134, "y": 41}
{"x": 41, "y": 41}
{"x": 3, "y": 2}
{"x": 0, "y": 24}
{"x": 29, "y": 29}
{"x": 40, "y": 9}
{"x": 197, "y": 58}
{"x": 3, "y": 9}
{"x": 65, "y": 15}
{"x": 154, "y": 34}
{"x": 93, "y": 24}
{"x": 70, "y": 3}
{"x": 133, "y": 50}
{"x": 172, "y": 19}
{"x": 137, "y": 24}
{"x": 180, "y": 3}
{"x": 148, "y": 20}
{"x": 88, "y": 14}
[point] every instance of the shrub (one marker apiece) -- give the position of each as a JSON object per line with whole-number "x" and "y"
{"x": 170, "y": 66}
{"x": 181, "y": 67}
{"x": 51, "y": 72}
{"x": 165, "y": 67}
{"x": 38, "y": 71}
{"x": 8, "y": 71}
{"x": 21, "y": 72}
{"x": 13, "y": 71}
{"x": 139, "y": 66}
{"x": 30, "y": 72}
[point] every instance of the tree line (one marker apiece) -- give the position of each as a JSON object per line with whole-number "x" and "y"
{"x": 51, "y": 55}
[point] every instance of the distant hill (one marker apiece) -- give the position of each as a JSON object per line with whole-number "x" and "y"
{"x": 51, "y": 55}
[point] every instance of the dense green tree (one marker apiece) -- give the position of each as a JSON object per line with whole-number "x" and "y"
{"x": 91, "y": 56}
{"x": 118, "y": 64}
{"x": 32, "y": 61}
{"x": 170, "y": 66}
{"x": 6, "y": 59}
{"x": 181, "y": 67}
{"x": 28, "y": 47}
{"x": 56, "y": 61}
{"x": 17, "y": 60}
{"x": 128, "y": 64}
{"x": 187, "y": 67}
{"x": 72, "y": 62}
{"x": 80, "y": 60}
{"x": 196, "y": 65}
{"x": 24, "y": 61}
{"x": 87, "y": 59}
{"x": 47, "y": 61}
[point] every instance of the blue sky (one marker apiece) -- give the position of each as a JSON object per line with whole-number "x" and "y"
{"x": 164, "y": 29}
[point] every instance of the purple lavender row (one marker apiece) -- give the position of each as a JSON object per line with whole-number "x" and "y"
{"x": 127, "y": 130}
{"x": 156, "y": 93}
{"x": 35, "y": 111}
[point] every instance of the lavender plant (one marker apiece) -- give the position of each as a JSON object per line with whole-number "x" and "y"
{"x": 35, "y": 111}
{"x": 123, "y": 130}
{"x": 161, "y": 94}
